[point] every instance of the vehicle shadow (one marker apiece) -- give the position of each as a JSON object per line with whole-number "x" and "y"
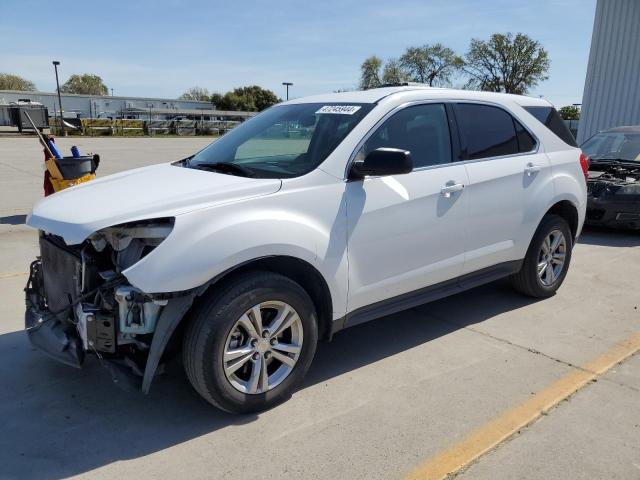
{"x": 605, "y": 237}
{"x": 60, "y": 422}
{"x": 13, "y": 220}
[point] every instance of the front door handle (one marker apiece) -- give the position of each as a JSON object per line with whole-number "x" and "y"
{"x": 450, "y": 188}
{"x": 530, "y": 169}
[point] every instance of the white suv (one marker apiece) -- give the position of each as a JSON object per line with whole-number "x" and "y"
{"x": 318, "y": 214}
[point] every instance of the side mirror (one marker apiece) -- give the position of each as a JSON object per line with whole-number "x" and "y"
{"x": 382, "y": 162}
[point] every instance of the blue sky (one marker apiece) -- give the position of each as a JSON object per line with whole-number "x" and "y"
{"x": 162, "y": 47}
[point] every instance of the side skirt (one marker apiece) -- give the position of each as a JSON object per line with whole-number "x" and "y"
{"x": 426, "y": 295}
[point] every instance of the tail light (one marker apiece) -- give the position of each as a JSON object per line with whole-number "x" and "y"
{"x": 584, "y": 163}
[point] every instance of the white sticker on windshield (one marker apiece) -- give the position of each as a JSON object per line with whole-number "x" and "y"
{"x": 339, "y": 109}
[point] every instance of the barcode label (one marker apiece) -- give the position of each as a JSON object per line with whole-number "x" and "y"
{"x": 339, "y": 109}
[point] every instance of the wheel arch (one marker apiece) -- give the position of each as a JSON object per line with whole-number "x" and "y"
{"x": 301, "y": 272}
{"x": 567, "y": 210}
{"x": 168, "y": 335}
{"x": 294, "y": 268}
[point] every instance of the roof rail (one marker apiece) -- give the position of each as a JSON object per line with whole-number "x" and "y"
{"x": 403, "y": 84}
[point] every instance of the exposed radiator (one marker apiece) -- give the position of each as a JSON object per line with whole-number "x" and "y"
{"x": 62, "y": 270}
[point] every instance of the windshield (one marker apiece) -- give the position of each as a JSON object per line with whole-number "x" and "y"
{"x": 613, "y": 146}
{"x": 283, "y": 141}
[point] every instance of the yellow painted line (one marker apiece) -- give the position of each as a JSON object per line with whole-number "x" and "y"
{"x": 487, "y": 437}
{"x": 14, "y": 274}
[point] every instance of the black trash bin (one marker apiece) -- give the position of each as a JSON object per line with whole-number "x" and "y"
{"x": 76, "y": 167}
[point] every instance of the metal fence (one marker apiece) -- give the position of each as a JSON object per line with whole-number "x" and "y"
{"x": 96, "y": 127}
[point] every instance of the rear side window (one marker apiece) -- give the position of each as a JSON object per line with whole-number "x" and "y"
{"x": 486, "y": 131}
{"x": 421, "y": 129}
{"x": 550, "y": 117}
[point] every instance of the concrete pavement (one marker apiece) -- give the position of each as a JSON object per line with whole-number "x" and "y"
{"x": 21, "y": 166}
{"x": 380, "y": 399}
{"x": 596, "y": 435}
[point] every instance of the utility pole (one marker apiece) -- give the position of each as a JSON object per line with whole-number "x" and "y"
{"x": 55, "y": 66}
{"x": 55, "y": 114}
{"x": 287, "y": 84}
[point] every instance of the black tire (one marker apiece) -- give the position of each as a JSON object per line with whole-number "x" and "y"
{"x": 211, "y": 322}
{"x": 527, "y": 281}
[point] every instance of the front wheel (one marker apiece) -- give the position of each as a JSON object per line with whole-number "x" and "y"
{"x": 547, "y": 261}
{"x": 249, "y": 344}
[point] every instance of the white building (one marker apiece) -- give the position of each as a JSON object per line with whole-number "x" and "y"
{"x": 96, "y": 106}
{"x": 612, "y": 88}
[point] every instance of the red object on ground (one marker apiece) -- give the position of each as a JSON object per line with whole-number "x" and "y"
{"x": 48, "y": 186}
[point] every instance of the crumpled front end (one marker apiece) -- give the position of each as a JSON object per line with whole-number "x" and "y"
{"x": 55, "y": 338}
{"x": 613, "y": 196}
{"x": 78, "y": 302}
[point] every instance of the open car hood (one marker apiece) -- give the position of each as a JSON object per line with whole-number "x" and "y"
{"x": 150, "y": 192}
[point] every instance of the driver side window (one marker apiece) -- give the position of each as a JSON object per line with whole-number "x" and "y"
{"x": 421, "y": 129}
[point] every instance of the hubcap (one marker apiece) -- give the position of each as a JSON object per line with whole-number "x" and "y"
{"x": 263, "y": 347}
{"x": 551, "y": 258}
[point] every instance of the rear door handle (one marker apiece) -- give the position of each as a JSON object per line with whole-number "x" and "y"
{"x": 450, "y": 188}
{"x": 530, "y": 169}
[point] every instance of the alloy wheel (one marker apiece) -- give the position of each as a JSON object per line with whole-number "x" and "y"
{"x": 551, "y": 258}
{"x": 263, "y": 347}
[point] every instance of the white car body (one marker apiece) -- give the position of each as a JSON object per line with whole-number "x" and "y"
{"x": 370, "y": 240}
{"x": 368, "y": 246}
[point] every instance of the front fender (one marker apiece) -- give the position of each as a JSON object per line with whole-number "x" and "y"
{"x": 207, "y": 243}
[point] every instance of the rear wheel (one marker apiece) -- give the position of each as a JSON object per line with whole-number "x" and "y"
{"x": 547, "y": 261}
{"x": 249, "y": 345}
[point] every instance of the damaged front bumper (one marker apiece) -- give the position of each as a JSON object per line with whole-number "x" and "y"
{"x": 613, "y": 194}
{"x": 613, "y": 212}
{"x": 70, "y": 314}
{"x": 45, "y": 331}
{"x": 51, "y": 337}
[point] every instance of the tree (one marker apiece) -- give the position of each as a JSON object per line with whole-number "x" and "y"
{"x": 85, "y": 84}
{"x": 196, "y": 93}
{"x": 370, "y": 73}
{"x": 505, "y": 63}
{"x": 236, "y": 100}
{"x": 14, "y": 82}
{"x": 218, "y": 101}
{"x": 570, "y": 112}
{"x": 260, "y": 97}
{"x": 247, "y": 99}
{"x": 432, "y": 64}
{"x": 393, "y": 72}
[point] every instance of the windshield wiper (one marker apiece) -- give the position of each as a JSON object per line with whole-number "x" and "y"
{"x": 225, "y": 167}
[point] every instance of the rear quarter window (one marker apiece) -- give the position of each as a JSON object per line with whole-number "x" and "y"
{"x": 526, "y": 142}
{"x": 550, "y": 117}
{"x": 486, "y": 131}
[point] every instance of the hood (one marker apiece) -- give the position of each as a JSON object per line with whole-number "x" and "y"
{"x": 150, "y": 192}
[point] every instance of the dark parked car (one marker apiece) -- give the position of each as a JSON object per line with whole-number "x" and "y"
{"x": 613, "y": 187}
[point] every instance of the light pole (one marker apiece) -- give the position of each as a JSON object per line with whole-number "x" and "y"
{"x": 287, "y": 84}
{"x": 55, "y": 66}
{"x": 112, "y": 92}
